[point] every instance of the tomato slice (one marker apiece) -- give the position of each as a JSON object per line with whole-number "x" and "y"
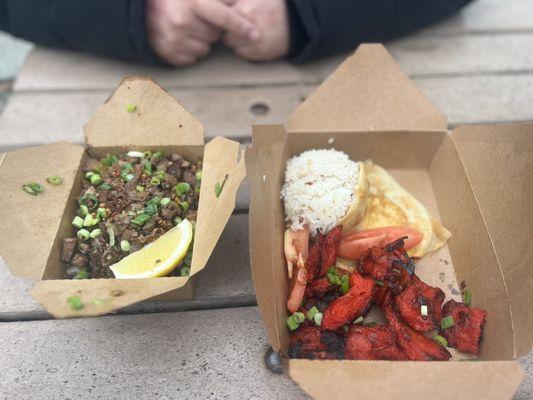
{"x": 353, "y": 245}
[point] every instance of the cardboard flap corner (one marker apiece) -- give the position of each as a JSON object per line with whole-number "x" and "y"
{"x": 417, "y": 380}
{"x": 140, "y": 113}
{"x": 368, "y": 91}
{"x": 99, "y": 296}
{"x": 30, "y": 223}
{"x": 498, "y": 161}
{"x": 222, "y": 173}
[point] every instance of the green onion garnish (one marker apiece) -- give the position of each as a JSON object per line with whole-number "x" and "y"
{"x": 96, "y": 179}
{"x": 298, "y": 317}
{"x": 135, "y": 154}
{"x": 89, "y": 200}
{"x": 165, "y": 201}
{"x": 160, "y": 174}
{"x": 105, "y": 186}
{"x": 197, "y": 189}
{"x": 424, "y": 310}
{"x": 111, "y": 234}
{"x": 177, "y": 220}
{"x": 75, "y": 303}
{"x": 139, "y": 188}
{"x": 101, "y": 213}
{"x": 182, "y": 188}
{"x": 97, "y": 302}
{"x": 312, "y": 312}
{"x": 129, "y": 177}
{"x": 89, "y": 220}
{"x": 33, "y": 188}
{"x": 379, "y": 283}
{"x": 141, "y": 219}
{"x": 318, "y": 318}
{"x": 147, "y": 166}
{"x": 154, "y": 180}
{"x": 84, "y": 210}
{"x": 370, "y": 324}
{"x": 359, "y": 320}
{"x": 440, "y": 340}
{"x": 82, "y": 275}
{"x": 131, "y": 108}
{"x": 292, "y": 324}
{"x": 147, "y": 154}
{"x": 158, "y": 154}
{"x": 185, "y": 206}
{"x": 333, "y": 276}
{"x": 77, "y": 222}
{"x": 185, "y": 271}
{"x": 89, "y": 174}
{"x": 109, "y": 160}
{"x": 83, "y": 234}
{"x": 218, "y": 189}
{"x": 447, "y": 322}
{"x": 96, "y": 233}
{"x": 125, "y": 246}
{"x": 54, "y": 180}
{"x": 467, "y": 297}
{"x": 345, "y": 284}
{"x": 198, "y": 175}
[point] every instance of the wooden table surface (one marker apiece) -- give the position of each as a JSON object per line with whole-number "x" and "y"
{"x": 476, "y": 67}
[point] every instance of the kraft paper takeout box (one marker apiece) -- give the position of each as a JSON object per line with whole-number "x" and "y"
{"x": 33, "y": 227}
{"x": 477, "y": 179}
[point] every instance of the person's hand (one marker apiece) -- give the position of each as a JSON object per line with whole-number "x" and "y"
{"x": 182, "y": 31}
{"x": 270, "y": 17}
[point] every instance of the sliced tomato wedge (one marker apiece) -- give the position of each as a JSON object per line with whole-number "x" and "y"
{"x": 353, "y": 245}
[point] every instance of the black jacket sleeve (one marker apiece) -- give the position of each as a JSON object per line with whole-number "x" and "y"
{"x": 323, "y": 27}
{"x": 107, "y": 27}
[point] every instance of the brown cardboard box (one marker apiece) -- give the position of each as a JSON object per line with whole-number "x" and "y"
{"x": 478, "y": 180}
{"x": 33, "y": 226}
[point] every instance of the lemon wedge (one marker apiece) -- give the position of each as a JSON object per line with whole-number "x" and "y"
{"x": 158, "y": 258}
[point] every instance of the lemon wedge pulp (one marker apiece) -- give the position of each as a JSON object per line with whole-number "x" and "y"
{"x": 158, "y": 258}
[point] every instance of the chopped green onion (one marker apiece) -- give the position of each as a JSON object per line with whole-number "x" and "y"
{"x": 155, "y": 181}
{"x": 101, "y": 213}
{"x": 424, "y": 310}
{"x": 333, "y": 276}
{"x": 96, "y": 179}
{"x": 165, "y": 201}
{"x": 312, "y": 312}
{"x": 54, "y": 180}
{"x": 127, "y": 167}
{"x": 84, "y": 210}
{"x": 185, "y": 271}
{"x": 89, "y": 174}
{"x": 467, "y": 297}
{"x": 345, "y": 284}
{"x": 111, "y": 234}
{"x": 298, "y": 317}
{"x": 86, "y": 198}
{"x": 139, "y": 188}
{"x": 292, "y": 324}
{"x": 370, "y": 324}
{"x": 109, "y": 160}
{"x": 359, "y": 320}
{"x": 90, "y": 220}
{"x": 33, "y": 188}
{"x": 177, "y": 220}
{"x": 96, "y": 233}
{"x": 147, "y": 154}
{"x": 77, "y": 222}
{"x": 197, "y": 189}
{"x": 158, "y": 154}
{"x": 198, "y": 175}
{"x": 447, "y": 322}
{"x": 185, "y": 206}
{"x": 318, "y": 318}
{"x": 83, "y": 234}
{"x": 147, "y": 166}
{"x": 125, "y": 246}
{"x": 105, "y": 186}
{"x": 98, "y": 302}
{"x": 379, "y": 283}
{"x": 141, "y": 219}
{"x": 129, "y": 177}
{"x": 82, "y": 275}
{"x": 131, "y": 108}
{"x": 75, "y": 303}
{"x": 150, "y": 209}
{"x": 440, "y": 340}
{"x": 182, "y": 188}
{"x": 218, "y": 189}
{"x": 154, "y": 200}
{"x": 135, "y": 154}
{"x": 160, "y": 174}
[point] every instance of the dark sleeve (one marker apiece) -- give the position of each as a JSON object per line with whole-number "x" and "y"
{"x": 320, "y": 28}
{"x": 108, "y": 27}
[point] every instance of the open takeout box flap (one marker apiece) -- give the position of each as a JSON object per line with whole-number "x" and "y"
{"x": 498, "y": 161}
{"x": 223, "y": 170}
{"x": 368, "y": 91}
{"x": 140, "y": 113}
{"x": 406, "y": 380}
{"x": 30, "y": 223}
{"x": 99, "y": 296}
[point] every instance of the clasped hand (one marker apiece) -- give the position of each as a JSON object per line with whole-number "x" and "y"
{"x": 183, "y": 31}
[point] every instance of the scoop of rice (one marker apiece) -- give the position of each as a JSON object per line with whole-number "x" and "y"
{"x": 319, "y": 189}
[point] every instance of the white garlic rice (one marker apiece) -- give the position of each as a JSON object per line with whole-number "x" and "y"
{"x": 319, "y": 189}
